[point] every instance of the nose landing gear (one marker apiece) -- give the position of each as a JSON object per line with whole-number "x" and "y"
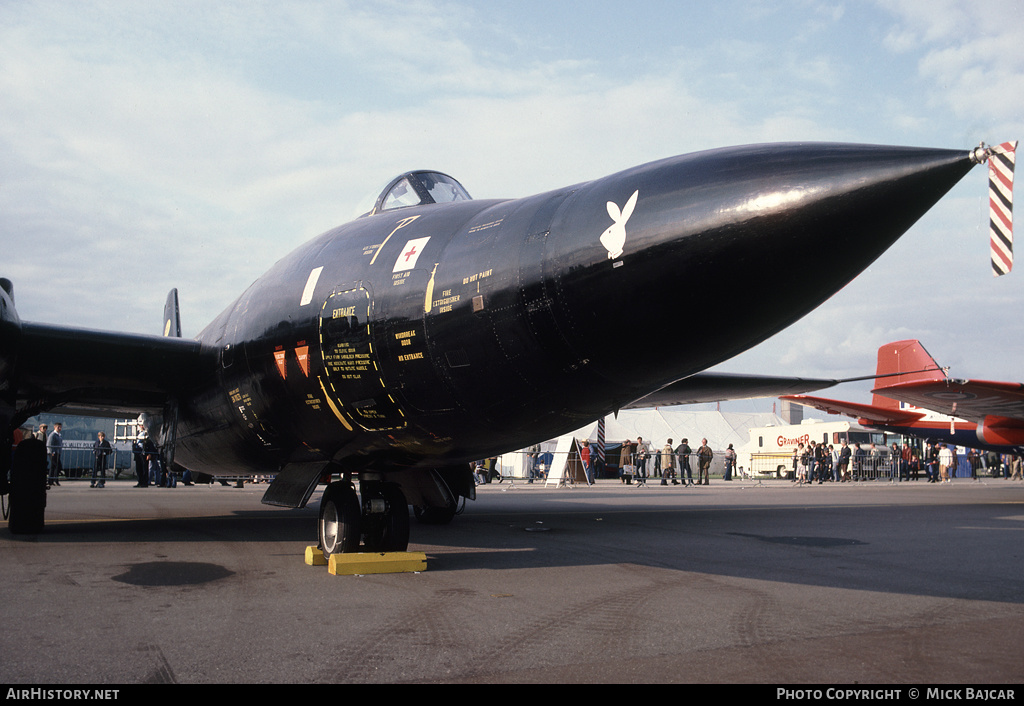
{"x": 379, "y": 524}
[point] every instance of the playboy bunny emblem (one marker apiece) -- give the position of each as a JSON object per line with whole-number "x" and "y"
{"x": 615, "y": 237}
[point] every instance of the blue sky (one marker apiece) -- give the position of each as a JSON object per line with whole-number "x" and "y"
{"x": 145, "y": 146}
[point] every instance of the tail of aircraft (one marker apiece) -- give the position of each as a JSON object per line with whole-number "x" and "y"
{"x": 172, "y": 318}
{"x": 902, "y": 362}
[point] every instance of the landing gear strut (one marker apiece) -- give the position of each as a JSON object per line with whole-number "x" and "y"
{"x": 385, "y": 518}
{"x": 380, "y": 523}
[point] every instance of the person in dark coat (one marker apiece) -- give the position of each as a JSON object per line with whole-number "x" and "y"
{"x": 100, "y": 451}
{"x": 141, "y": 465}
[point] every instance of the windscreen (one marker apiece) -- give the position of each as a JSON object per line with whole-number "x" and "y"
{"x": 442, "y": 188}
{"x": 418, "y": 188}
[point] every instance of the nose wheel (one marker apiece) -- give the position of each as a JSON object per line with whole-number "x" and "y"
{"x": 379, "y": 524}
{"x": 340, "y": 519}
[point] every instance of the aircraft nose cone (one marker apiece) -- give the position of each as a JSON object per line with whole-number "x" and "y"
{"x": 727, "y": 247}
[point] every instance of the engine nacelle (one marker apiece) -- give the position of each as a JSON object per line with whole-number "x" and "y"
{"x": 1001, "y": 431}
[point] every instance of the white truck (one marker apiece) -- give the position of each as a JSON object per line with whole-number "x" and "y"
{"x": 769, "y": 450}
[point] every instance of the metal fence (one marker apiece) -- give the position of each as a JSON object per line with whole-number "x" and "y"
{"x": 77, "y": 460}
{"x": 860, "y": 467}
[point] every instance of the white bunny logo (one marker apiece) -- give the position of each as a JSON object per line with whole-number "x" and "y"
{"x": 615, "y": 237}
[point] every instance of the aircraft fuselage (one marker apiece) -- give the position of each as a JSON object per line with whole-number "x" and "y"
{"x": 440, "y": 333}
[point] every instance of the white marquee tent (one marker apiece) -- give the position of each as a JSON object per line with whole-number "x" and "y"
{"x": 659, "y": 424}
{"x": 655, "y": 426}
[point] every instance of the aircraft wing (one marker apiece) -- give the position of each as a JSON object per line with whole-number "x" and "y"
{"x": 869, "y": 412}
{"x": 115, "y": 374}
{"x": 973, "y": 400}
{"x": 718, "y": 387}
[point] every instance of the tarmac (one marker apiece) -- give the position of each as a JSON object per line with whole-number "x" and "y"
{"x": 732, "y": 583}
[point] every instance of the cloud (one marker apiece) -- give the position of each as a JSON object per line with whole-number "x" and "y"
{"x": 193, "y": 144}
{"x": 971, "y": 54}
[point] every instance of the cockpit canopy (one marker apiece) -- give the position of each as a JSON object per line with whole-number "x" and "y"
{"x": 419, "y": 188}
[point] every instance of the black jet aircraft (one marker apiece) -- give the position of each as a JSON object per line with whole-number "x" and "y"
{"x": 434, "y": 330}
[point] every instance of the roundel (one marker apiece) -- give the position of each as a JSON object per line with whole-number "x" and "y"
{"x": 950, "y": 396}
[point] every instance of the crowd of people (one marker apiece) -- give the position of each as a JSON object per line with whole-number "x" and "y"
{"x": 672, "y": 464}
{"x": 639, "y": 461}
{"x": 935, "y": 462}
{"x": 150, "y": 469}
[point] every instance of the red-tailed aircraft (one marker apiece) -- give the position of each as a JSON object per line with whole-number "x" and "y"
{"x": 917, "y": 398}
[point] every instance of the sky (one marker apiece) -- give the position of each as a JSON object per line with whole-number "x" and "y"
{"x": 145, "y": 146}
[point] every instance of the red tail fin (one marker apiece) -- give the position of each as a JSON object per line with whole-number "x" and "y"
{"x": 905, "y": 361}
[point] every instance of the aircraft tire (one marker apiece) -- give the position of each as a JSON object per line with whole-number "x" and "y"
{"x": 28, "y": 488}
{"x": 340, "y": 521}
